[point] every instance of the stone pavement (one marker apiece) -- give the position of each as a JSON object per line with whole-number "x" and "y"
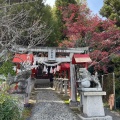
{"x": 50, "y": 107}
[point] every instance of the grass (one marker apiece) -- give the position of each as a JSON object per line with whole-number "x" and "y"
{"x": 64, "y": 98}
{"x": 26, "y": 113}
{"x": 28, "y": 110}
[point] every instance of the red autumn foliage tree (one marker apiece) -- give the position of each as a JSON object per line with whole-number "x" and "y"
{"x": 104, "y": 44}
{"x": 78, "y": 22}
{"x": 83, "y": 29}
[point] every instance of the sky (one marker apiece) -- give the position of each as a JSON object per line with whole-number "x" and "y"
{"x": 94, "y": 5}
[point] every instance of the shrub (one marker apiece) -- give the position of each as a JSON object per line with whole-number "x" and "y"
{"x": 9, "y": 109}
{"x": 7, "y": 67}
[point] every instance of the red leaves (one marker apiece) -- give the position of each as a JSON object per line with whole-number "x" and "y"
{"x": 101, "y": 35}
{"x": 78, "y": 20}
{"x": 67, "y": 43}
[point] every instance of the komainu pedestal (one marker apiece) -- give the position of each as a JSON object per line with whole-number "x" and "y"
{"x": 92, "y": 104}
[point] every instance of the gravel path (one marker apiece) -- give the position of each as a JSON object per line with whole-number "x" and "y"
{"x": 115, "y": 115}
{"x": 50, "y": 107}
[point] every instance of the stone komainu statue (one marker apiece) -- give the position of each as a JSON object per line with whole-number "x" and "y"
{"x": 20, "y": 78}
{"x": 86, "y": 78}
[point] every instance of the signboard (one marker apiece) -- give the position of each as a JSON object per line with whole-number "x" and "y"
{"x": 52, "y": 54}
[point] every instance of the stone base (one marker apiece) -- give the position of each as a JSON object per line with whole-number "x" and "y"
{"x": 73, "y": 104}
{"x": 92, "y": 104}
{"x": 96, "y": 118}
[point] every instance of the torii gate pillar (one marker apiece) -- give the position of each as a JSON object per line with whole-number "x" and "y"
{"x": 73, "y": 97}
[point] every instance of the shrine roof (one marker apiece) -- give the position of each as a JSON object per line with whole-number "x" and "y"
{"x": 20, "y": 58}
{"x": 81, "y": 58}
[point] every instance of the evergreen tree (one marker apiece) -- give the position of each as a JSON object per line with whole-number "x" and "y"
{"x": 111, "y": 10}
{"x": 116, "y": 61}
{"x": 81, "y": 1}
{"x": 38, "y": 11}
{"x": 59, "y": 4}
{"x": 52, "y": 23}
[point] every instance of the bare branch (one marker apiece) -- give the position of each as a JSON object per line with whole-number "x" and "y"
{"x": 16, "y": 31}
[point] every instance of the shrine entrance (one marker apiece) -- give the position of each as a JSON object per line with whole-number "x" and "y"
{"x": 50, "y": 59}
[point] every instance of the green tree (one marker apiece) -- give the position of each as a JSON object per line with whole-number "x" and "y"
{"x": 35, "y": 8}
{"x": 116, "y": 61}
{"x": 38, "y": 11}
{"x": 80, "y": 1}
{"x": 6, "y": 68}
{"x": 111, "y": 10}
{"x": 58, "y": 13}
{"x": 50, "y": 19}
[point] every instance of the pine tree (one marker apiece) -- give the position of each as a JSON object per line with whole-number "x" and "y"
{"x": 111, "y": 10}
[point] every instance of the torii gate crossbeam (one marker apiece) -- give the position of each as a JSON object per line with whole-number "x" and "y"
{"x": 46, "y": 49}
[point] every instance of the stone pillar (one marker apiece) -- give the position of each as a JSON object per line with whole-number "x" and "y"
{"x": 73, "y": 97}
{"x": 28, "y": 90}
{"x": 54, "y": 82}
{"x": 61, "y": 85}
{"x": 65, "y": 86}
{"x": 32, "y": 83}
{"x": 57, "y": 84}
